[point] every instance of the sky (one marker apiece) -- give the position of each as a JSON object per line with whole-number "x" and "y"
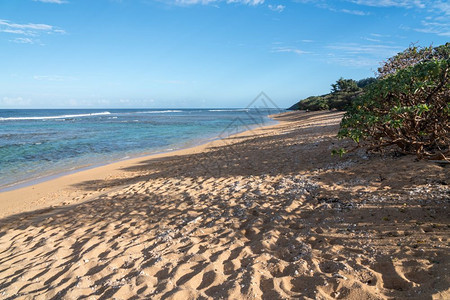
{"x": 199, "y": 53}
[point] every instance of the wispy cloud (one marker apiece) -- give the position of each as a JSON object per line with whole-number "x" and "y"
{"x": 23, "y": 41}
{"x": 359, "y": 55}
{"x": 289, "y": 50}
{"x": 323, "y": 4}
{"x": 52, "y": 78}
{"x": 51, "y": 1}
{"x": 390, "y": 3}
{"x": 437, "y": 11}
{"x": 27, "y": 29}
{"x": 355, "y": 48}
{"x": 29, "y": 26}
{"x": 206, "y": 2}
{"x": 190, "y": 2}
{"x": 30, "y": 30}
{"x": 14, "y": 101}
{"x": 353, "y": 12}
{"x": 15, "y": 31}
{"x": 353, "y": 62}
{"x": 345, "y": 11}
{"x": 248, "y": 2}
{"x": 371, "y": 39}
{"x": 379, "y": 35}
{"x": 176, "y": 82}
{"x": 439, "y": 28}
{"x": 277, "y": 8}
{"x": 444, "y": 7}
{"x": 436, "y": 6}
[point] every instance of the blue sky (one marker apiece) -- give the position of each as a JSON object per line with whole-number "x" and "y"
{"x": 199, "y": 53}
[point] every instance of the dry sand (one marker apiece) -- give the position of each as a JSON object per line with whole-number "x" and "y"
{"x": 267, "y": 214}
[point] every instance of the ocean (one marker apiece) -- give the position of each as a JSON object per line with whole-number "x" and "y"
{"x": 38, "y": 143}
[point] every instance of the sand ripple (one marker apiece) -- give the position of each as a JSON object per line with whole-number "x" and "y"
{"x": 321, "y": 233}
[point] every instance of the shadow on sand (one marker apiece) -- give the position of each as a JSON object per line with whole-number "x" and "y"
{"x": 268, "y": 216}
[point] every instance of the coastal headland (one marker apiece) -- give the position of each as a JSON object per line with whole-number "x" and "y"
{"x": 264, "y": 214}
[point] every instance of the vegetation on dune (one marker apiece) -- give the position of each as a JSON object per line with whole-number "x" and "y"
{"x": 408, "y": 106}
{"x": 343, "y": 93}
{"x": 412, "y": 56}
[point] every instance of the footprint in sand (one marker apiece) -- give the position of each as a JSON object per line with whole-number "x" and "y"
{"x": 391, "y": 278}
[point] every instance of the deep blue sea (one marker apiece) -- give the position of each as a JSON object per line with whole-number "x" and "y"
{"x": 39, "y": 143}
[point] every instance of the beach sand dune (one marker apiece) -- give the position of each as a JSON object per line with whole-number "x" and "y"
{"x": 266, "y": 214}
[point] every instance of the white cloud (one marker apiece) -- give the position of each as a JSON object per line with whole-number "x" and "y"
{"x": 323, "y": 4}
{"x": 14, "y": 31}
{"x": 443, "y": 7}
{"x": 23, "y": 41}
{"x": 343, "y": 10}
{"x": 192, "y": 2}
{"x": 288, "y": 50}
{"x": 353, "y": 12}
{"x": 439, "y": 28}
{"x": 206, "y": 2}
{"x": 390, "y": 3}
{"x": 359, "y": 49}
{"x": 248, "y": 2}
{"x": 51, "y": 1}
{"x": 97, "y": 102}
{"x": 436, "y": 6}
{"x": 30, "y": 26}
{"x": 371, "y": 40}
{"x": 357, "y": 55}
{"x": 277, "y": 8}
{"x": 15, "y": 102}
{"x": 52, "y": 78}
{"x": 354, "y": 62}
{"x": 431, "y": 6}
{"x": 379, "y": 35}
{"x": 170, "y": 81}
{"x": 29, "y": 30}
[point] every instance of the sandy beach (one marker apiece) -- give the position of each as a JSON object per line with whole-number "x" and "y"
{"x": 265, "y": 214}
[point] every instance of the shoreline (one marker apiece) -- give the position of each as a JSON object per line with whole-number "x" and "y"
{"x": 265, "y": 214}
{"x": 17, "y": 175}
{"x": 55, "y": 183}
{"x": 144, "y": 155}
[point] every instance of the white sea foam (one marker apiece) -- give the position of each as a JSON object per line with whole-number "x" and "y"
{"x": 55, "y": 117}
{"x": 241, "y": 109}
{"x": 158, "y": 111}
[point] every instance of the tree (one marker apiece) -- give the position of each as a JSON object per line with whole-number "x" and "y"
{"x": 343, "y": 92}
{"x": 344, "y": 85}
{"x": 365, "y": 82}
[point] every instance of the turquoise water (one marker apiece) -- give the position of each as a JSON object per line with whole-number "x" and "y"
{"x": 40, "y": 143}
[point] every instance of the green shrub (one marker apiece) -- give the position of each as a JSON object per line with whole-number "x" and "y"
{"x": 412, "y": 56}
{"x": 409, "y": 106}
